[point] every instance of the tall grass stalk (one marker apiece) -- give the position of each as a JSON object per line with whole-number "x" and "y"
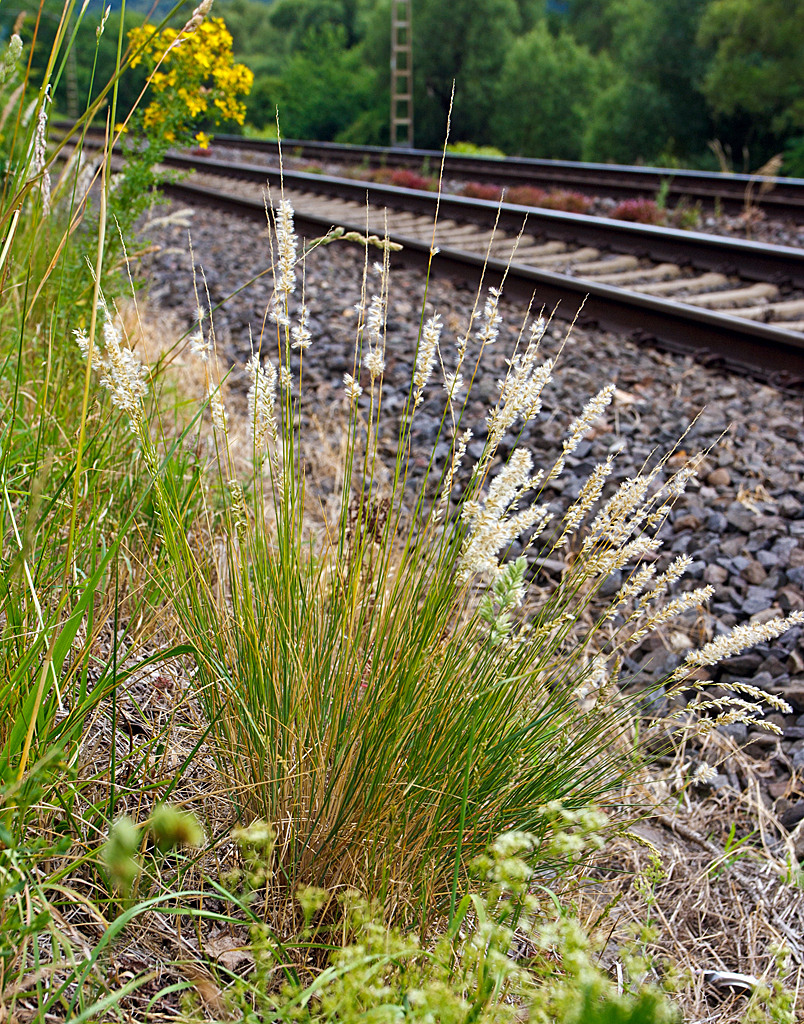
{"x": 62, "y": 550}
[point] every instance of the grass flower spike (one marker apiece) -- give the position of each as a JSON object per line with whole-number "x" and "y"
{"x": 579, "y": 427}
{"x": 351, "y": 388}
{"x": 262, "y": 402}
{"x": 490, "y": 330}
{"x": 738, "y": 639}
{"x": 302, "y": 339}
{"x": 8, "y": 62}
{"x": 286, "y": 243}
{"x": 490, "y": 527}
{"x": 121, "y": 371}
{"x": 39, "y": 158}
{"x": 426, "y": 356}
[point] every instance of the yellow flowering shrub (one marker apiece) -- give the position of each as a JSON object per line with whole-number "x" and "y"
{"x": 192, "y": 76}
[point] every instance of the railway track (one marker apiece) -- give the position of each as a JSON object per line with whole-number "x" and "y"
{"x": 732, "y": 302}
{"x": 777, "y": 197}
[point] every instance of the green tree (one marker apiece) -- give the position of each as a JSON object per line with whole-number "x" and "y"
{"x": 543, "y": 95}
{"x": 591, "y": 22}
{"x": 654, "y": 108}
{"x": 307, "y": 59}
{"x": 297, "y": 18}
{"x": 758, "y": 64}
{"x": 256, "y": 41}
{"x": 324, "y": 87}
{"x": 259, "y": 44}
{"x": 531, "y": 12}
{"x": 467, "y": 42}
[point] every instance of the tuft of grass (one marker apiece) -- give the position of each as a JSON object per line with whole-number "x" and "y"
{"x": 379, "y": 684}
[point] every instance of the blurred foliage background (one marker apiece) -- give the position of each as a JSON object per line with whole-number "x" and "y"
{"x": 653, "y": 81}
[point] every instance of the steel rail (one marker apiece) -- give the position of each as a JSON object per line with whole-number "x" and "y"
{"x": 767, "y": 352}
{"x": 784, "y": 196}
{"x": 753, "y": 261}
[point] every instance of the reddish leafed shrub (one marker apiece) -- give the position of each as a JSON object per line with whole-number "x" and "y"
{"x": 558, "y": 199}
{"x": 569, "y": 202}
{"x": 525, "y": 195}
{"x": 404, "y": 178}
{"x": 643, "y": 211}
{"x": 474, "y": 190}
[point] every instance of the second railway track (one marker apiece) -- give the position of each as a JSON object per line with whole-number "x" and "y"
{"x": 778, "y": 197}
{"x": 730, "y": 301}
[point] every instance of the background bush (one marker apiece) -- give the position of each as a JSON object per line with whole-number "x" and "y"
{"x": 544, "y": 92}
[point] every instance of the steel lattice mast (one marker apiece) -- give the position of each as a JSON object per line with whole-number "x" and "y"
{"x": 401, "y": 74}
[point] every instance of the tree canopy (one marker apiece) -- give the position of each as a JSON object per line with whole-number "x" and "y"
{"x": 544, "y": 93}
{"x": 758, "y": 63}
{"x": 621, "y": 80}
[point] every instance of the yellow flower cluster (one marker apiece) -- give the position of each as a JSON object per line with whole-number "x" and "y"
{"x": 193, "y": 74}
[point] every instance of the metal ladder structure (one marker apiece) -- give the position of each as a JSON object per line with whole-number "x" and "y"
{"x": 401, "y": 74}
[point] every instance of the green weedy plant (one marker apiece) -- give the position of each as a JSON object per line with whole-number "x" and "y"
{"x": 686, "y": 217}
{"x": 43, "y": 962}
{"x": 470, "y": 149}
{"x": 663, "y": 193}
{"x": 68, "y": 485}
{"x": 506, "y": 955}
{"x": 369, "y": 690}
{"x": 71, "y": 492}
{"x": 169, "y": 828}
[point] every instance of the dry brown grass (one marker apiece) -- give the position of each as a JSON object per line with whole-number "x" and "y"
{"x": 715, "y": 878}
